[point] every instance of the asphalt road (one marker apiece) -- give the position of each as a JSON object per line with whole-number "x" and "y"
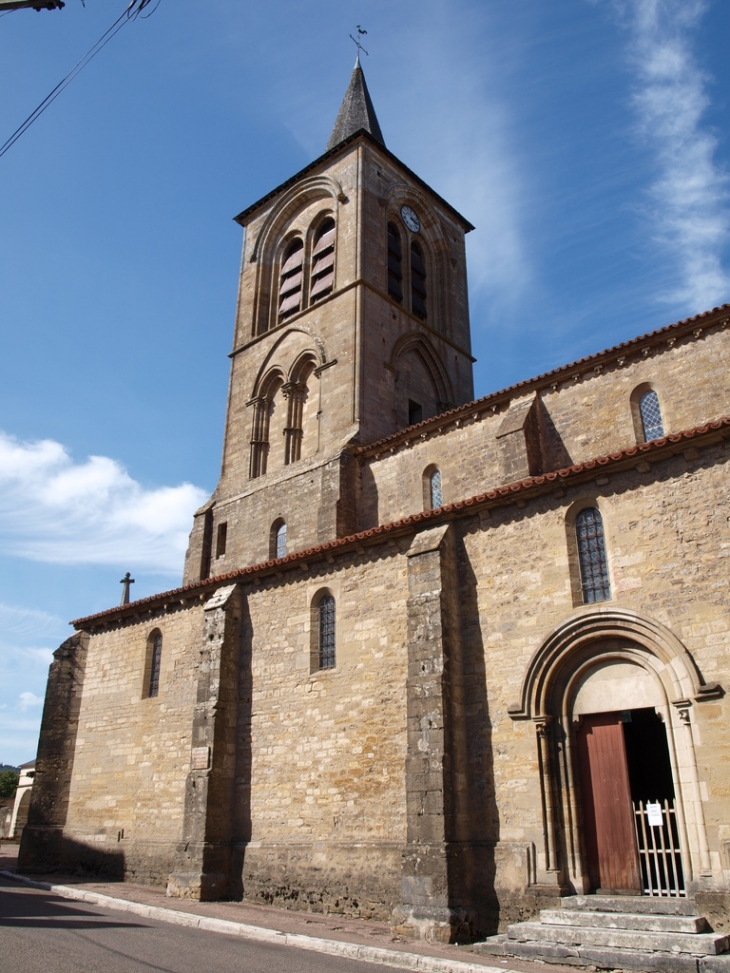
{"x": 43, "y": 933}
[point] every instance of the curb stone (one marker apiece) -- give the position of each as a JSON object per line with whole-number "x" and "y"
{"x": 332, "y": 947}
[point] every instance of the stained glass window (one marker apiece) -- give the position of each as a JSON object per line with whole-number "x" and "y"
{"x": 592, "y": 556}
{"x": 155, "y": 661}
{"x": 280, "y": 549}
{"x": 437, "y": 499}
{"x": 651, "y": 416}
{"x": 326, "y": 632}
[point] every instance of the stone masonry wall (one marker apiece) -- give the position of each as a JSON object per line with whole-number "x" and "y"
{"x": 132, "y": 752}
{"x": 327, "y": 795}
{"x": 580, "y": 420}
{"x": 668, "y": 544}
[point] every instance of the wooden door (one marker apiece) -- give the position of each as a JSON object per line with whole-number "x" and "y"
{"x": 613, "y": 860}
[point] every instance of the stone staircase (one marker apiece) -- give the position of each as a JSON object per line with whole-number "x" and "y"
{"x": 656, "y": 935}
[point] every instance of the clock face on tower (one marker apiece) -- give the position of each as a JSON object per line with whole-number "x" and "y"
{"x": 410, "y": 219}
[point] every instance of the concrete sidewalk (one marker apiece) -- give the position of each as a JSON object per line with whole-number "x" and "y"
{"x": 336, "y": 935}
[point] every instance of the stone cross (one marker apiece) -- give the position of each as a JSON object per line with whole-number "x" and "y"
{"x": 127, "y": 580}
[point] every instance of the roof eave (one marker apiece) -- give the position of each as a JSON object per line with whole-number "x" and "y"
{"x": 361, "y": 135}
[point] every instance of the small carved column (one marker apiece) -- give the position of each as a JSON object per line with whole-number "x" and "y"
{"x": 296, "y": 394}
{"x": 543, "y": 727}
{"x": 693, "y": 800}
{"x": 42, "y": 844}
{"x": 259, "y": 436}
{"x": 203, "y": 861}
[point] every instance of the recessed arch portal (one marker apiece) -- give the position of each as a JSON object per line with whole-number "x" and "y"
{"x": 596, "y": 668}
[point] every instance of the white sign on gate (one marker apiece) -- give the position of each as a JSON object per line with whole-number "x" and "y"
{"x": 654, "y": 814}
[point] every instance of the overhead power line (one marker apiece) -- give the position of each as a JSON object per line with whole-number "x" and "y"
{"x": 135, "y": 9}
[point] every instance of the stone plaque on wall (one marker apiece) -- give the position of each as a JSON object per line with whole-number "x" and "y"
{"x": 200, "y": 758}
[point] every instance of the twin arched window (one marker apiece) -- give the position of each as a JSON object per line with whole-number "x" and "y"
{"x": 292, "y": 276}
{"x": 594, "y": 580}
{"x": 416, "y": 270}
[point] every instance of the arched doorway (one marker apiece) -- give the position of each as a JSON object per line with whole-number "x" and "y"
{"x": 626, "y": 786}
{"x": 611, "y": 694}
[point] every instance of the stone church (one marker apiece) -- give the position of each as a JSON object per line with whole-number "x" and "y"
{"x": 434, "y": 659}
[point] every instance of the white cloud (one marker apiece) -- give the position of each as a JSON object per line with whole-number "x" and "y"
{"x": 29, "y": 701}
{"x": 690, "y": 192}
{"x": 20, "y": 623}
{"x": 55, "y": 510}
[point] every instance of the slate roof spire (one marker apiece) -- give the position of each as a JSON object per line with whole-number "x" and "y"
{"x": 356, "y": 111}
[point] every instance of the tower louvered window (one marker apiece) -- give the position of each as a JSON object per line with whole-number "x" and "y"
{"x": 651, "y": 416}
{"x": 290, "y": 285}
{"x": 323, "y": 261}
{"x": 395, "y": 264}
{"x": 418, "y": 282}
{"x": 592, "y": 556}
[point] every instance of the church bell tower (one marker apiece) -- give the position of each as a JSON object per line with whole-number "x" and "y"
{"x": 352, "y": 323}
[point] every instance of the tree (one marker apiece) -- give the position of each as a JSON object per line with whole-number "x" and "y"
{"x": 8, "y": 783}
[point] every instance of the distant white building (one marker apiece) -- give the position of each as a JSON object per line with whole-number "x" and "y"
{"x": 22, "y": 799}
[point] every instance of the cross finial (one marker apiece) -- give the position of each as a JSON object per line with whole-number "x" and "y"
{"x": 356, "y": 41}
{"x": 127, "y": 580}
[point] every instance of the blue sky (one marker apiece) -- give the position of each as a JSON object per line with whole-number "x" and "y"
{"x": 587, "y": 140}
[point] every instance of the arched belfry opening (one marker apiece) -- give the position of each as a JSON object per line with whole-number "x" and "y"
{"x": 611, "y": 695}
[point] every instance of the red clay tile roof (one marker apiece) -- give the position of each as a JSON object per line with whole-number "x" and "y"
{"x": 539, "y": 381}
{"x": 449, "y": 511}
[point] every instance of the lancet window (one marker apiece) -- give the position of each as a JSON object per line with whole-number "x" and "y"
{"x": 651, "y": 416}
{"x": 326, "y": 619}
{"x": 595, "y": 584}
{"x": 154, "y": 663}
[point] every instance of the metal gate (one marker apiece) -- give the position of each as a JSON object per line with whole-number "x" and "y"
{"x": 657, "y": 839}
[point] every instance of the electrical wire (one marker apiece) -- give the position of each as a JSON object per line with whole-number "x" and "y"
{"x": 133, "y": 11}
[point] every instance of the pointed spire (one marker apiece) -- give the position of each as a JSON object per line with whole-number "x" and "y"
{"x": 356, "y": 111}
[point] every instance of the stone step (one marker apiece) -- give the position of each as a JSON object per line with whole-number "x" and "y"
{"x": 698, "y": 944}
{"x": 644, "y": 922}
{"x": 603, "y": 957}
{"x": 654, "y": 905}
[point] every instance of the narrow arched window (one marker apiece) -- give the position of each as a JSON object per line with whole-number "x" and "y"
{"x": 290, "y": 283}
{"x": 323, "y": 261}
{"x": 154, "y": 661}
{"x": 437, "y": 499}
{"x": 418, "y": 282}
{"x": 278, "y": 539}
{"x": 651, "y": 416}
{"x": 326, "y": 619}
{"x": 594, "y": 580}
{"x": 395, "y": 264}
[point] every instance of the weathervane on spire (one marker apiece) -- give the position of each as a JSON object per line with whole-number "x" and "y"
{"x": 356, "y": 41}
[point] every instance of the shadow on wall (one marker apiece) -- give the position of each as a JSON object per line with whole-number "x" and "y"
{"x": 476, "y": 870}
{"x": 242, "y": 795}
{"x": 56, "y": 854}
{"x": 368, "y": 499}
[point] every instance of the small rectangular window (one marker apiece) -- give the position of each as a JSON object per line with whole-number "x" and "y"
{"x": 222, "y": 536}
